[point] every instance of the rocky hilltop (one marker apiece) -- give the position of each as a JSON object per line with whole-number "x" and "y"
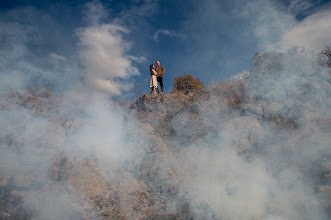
{"x": 253, "y": 147}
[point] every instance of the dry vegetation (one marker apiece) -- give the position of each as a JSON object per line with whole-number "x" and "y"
{"x": 188, "y": 85}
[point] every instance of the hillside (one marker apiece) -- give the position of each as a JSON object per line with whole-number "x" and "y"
{"x": 253, "y": 147}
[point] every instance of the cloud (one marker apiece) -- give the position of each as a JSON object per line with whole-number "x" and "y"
{"x": 57, "y": 57}
{"x": 166, "y": 32}
{"x": 137, "y": 59}
{"x": 270, "y": 22}
{"x": 300, "y": 6}
{"x": 312, "y": 33}
{"x": 104, "y": 55}
{"x": 94, "y": 12}
{"x": 277, "y": 29}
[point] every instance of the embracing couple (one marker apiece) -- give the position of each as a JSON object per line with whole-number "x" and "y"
{"x": 156, "y": 77}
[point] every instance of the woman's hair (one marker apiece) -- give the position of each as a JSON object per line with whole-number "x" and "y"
{"x": 150, "y": 67}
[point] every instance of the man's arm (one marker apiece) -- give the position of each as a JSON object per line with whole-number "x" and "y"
{"x": 162, "y": 70}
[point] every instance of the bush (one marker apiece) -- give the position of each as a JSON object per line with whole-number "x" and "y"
{"x": 188, "y": 85}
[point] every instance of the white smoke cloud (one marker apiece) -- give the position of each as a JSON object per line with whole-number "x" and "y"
{"x": 104, "y": 55}
{"x": 270, "y": 24}
{"x": 312, "y": 33}
{"x": 95, "y": 12}
{"x": 24, "y": 61}
{"x": 278, "y": 29}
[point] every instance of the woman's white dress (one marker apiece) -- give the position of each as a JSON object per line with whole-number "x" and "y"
{"x": 153, "y": 82}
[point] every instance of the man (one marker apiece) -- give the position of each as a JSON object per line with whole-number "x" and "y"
{"x": 160, "y": 72}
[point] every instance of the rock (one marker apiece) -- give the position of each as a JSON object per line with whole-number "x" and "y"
{"x": 169, "y": 104}
{"x": 150, "y": 103}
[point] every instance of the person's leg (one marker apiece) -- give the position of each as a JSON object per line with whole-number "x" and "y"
{"x": 158, "y": 81}
{"x": 161, "y": 83}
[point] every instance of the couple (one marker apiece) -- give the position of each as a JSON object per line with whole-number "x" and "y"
{"x": 157, "y": 77}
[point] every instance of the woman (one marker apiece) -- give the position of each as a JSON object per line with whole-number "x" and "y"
{"x": 153, "y": 83}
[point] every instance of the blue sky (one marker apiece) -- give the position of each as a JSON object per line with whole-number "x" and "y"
{"x": 213, "y": 40}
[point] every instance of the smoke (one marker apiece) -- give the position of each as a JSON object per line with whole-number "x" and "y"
{"x": 276, "y": 181}
{"x": 107, "y": 68}
{"x": 78, "y": 134}
{"x": 86, "y": 157}
{"x": 312, "y": 33}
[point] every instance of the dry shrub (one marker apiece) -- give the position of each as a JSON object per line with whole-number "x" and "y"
{"x": 231, "y": 92}
{"x": 188, "y": 85}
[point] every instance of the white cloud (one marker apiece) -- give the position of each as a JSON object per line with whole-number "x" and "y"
{"x": 104, "y": 55}
{"x": 299, "y": 6}
{"x": 137, "y": 59}
{"x": 169, "y": 33}
{"x": 57, "y": 57}
{"x": 94, "y": 12}
{"x": 312, "y": 33}
{"x": 278, "y": 30}
{"x": 271, "y": 23}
